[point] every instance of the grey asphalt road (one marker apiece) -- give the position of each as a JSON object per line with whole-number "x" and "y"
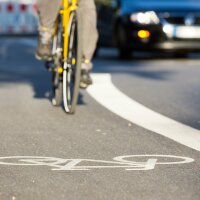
{"x": 31, "y": 131}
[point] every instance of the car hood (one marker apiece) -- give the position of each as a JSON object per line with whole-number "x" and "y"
{"x": 130, "y": 6}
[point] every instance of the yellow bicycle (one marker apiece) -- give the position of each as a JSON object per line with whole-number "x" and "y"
{"x": 67, "y": 56}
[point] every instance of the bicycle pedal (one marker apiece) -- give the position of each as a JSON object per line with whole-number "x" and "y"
{"x": 49, "y": 66}
{"x": 59, "y": 70}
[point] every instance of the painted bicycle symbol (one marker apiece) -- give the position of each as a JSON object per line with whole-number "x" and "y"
{"x": 129, "y": 162}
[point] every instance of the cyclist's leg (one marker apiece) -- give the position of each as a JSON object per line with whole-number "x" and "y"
{"x": 89, "y": 24}
{"x": 48, "y": 12}
{"x": 90, "y": 36}
{"x": 47, "y": 16}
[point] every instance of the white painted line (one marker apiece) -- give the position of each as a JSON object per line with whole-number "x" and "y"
{"x": 59, "y": 164}
{"x": 110, "y": 97}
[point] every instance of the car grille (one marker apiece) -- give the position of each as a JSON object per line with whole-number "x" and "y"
{"x": 181, "y": 20}
{"x": 175, "y": 20}
{"x": 197, "y": 21}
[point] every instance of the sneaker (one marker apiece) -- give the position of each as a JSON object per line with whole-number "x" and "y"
{"x": 43, "y": 51}
{"x": 86, "y": 79}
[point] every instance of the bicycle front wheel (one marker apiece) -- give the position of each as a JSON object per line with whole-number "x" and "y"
{"x": 72, "y": 69}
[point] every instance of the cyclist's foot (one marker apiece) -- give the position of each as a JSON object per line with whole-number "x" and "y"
{"x": 86, "y": 79}
{"x": 43, "y": 51}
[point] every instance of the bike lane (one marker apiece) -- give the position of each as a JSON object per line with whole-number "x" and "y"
{"x": 35, "y": 128}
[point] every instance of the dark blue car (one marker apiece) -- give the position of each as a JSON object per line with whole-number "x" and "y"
{"x": 133, "y": 25}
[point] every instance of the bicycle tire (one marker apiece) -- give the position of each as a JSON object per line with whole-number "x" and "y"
{"x": 57, "y": 90}
{"x": 56, "y": 77}
{"x": 72, "y": 73}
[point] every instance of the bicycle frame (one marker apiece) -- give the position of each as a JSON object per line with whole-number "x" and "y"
{"x": 68, "y": 6}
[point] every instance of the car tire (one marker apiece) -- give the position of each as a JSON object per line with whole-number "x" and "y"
{"x": 96, "y": 52}
{"x": 180, "y": 55}
{"x": 125, "y": 54}
{"x": 121, "y": 43}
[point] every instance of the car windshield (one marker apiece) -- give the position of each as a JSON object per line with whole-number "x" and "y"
{"x": 128, "y": 6}
{"x": 158, "y": 1}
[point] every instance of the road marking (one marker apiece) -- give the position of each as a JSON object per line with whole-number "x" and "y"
{"x": 129, "y": 162}
{"x": 110, "y": 97}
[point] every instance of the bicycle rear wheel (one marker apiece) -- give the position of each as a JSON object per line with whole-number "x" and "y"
{"x": 57, "y": 78}
{"x": 72, "y": 68}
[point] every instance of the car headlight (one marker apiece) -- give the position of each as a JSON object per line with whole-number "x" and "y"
{"x": 149, "y": 17}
